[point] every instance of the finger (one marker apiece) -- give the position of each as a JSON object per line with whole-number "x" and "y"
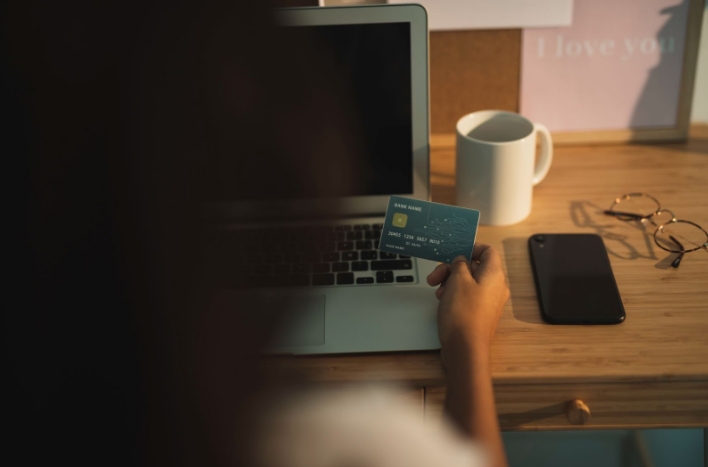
{"x": 474, "y": 266}
{"x": 479, "y": 248}
{"x": 490, "y": 264}
{"x": 439, "y": 275}
{"x": 460, "y": 265}
{"x": 439, "y": 292}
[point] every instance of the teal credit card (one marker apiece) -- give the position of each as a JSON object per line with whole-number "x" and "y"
{"x": 433, "y": 231}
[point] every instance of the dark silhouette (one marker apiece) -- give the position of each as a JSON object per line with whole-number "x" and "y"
{"x": 119, "y": 120}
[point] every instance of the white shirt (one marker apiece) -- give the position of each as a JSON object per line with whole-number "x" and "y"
{"x": 357, "y": 427}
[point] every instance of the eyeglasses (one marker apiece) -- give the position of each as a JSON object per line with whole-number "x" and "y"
{"x": 671, "y": 234}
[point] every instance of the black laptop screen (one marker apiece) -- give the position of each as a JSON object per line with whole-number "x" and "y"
{"x": 350, "y": 133}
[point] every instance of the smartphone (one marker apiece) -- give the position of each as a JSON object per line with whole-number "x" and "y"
{"x": 574, "y": 280}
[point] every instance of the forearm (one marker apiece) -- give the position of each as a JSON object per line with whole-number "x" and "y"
{"x": 470, "y": 396}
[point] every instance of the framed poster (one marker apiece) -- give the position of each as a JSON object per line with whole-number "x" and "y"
{"x": 624, "y": 71}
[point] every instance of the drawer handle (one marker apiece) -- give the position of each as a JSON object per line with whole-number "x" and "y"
{"x": 577, "y": 412}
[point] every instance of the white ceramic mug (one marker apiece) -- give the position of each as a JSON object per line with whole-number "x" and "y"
{"x": 495, "y": 164}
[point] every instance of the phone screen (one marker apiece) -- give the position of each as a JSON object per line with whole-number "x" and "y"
{"x": 574, "y": 279}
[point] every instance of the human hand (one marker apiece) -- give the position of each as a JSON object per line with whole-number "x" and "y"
{"x": 472, "y": 296}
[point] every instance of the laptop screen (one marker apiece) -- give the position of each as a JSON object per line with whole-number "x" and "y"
{"x": 366, "y": 70}
{"x": 374, "y": 63}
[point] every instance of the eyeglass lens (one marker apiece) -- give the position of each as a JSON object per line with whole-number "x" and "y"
{"x": 636, "y": 204}
{"x": 680, "y": 236}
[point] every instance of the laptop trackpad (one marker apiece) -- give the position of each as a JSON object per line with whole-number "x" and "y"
{"x": 303, "y": 324}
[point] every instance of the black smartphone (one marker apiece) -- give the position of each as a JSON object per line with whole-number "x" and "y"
{"x": 574, "y": 280}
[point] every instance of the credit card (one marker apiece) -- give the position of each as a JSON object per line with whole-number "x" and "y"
{"x": 433, "y": 231}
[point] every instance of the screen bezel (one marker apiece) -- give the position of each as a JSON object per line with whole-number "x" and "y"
{"x": 351, "y": 206}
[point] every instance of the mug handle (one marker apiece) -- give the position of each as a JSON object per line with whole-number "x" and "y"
{"x": 544, "y": 161}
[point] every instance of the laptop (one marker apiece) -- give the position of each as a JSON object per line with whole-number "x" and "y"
{"x": 343, "y": 294}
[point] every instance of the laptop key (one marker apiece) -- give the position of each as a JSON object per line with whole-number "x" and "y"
{"x": 292, "y": 257}
{"x": 376, "y": 244}
{"x": 404, "y": 279}
{"x": 391, "y": 265}
{"x": 345, "y": 246}
{"x": 320, "y": 267}
{"x": 300, "y": 280}
{"x": 385, "y": 255}
{"x": 363, "y": 245}
{"x": 378, "y": 226}
{"x": 340, "y": 267}
{"x": 355, "y": 235}
{"x": 360, "y": 266}
{"x": 337, "y": 236}
{"x": 279, "y": 281}
{"x": 372, "y": 234}
{"x": 343, "y": 227}
{"x": 364, "y": 280}
{"x": 327, "y": 246}
{"x": 350, "y": 255}
{"x": 368, "y": 255}
{"x": 384, "y": 277}
{"x": 301, "y": 268}
{"x": 331, "y": 257}
{"x": 345, "y": 278}
{"x": 306, "y": 247}
{"x": 316, "y": 237}
{"x": 311, "y": 257}
{"x": 323, "y": 279}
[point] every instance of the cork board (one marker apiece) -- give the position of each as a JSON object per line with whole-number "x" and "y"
{"x": 470, "y": 71}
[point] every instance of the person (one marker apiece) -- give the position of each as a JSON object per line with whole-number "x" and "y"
{"x": 112, "y": 349}
{"x": 319, "y": 426}
{"x": 472, "y": 296}
{"x": 312, "y": 425}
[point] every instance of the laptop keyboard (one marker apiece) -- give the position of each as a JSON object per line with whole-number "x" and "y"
{"x": 341, "y": 255}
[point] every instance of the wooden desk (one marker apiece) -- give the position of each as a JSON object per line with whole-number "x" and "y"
{"x": 649, "y": 372}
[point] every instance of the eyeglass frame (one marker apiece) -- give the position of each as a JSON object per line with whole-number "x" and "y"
{"x": 659, "y": 228}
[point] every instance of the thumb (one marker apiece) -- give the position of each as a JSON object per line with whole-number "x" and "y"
{"x": 460, "y": 268}
{"x": 490, "y": 265}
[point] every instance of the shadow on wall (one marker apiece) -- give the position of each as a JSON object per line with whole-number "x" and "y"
{"x": 659, "y": 99}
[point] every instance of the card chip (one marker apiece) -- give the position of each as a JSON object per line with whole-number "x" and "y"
{"x": 399, "y": 219}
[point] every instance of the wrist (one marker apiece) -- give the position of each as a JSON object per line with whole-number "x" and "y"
{"x": 465, "y": 348}
{"x": 467, "y": 341}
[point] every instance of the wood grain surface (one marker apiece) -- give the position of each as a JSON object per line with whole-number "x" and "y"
{"x": 665, "y": 336}
{"x": 613, "y": 406}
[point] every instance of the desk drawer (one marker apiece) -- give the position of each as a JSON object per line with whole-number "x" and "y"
{"x": 626, "y": 405}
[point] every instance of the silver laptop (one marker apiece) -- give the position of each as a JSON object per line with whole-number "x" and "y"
{"x": 343, "y": 294}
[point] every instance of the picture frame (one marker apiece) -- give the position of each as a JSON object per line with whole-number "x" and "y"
{"x": 658, "y": 133}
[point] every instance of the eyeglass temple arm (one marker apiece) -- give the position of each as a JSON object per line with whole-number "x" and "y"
{"x": 675, "y": 263}
{"x": 609, "y": 212}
